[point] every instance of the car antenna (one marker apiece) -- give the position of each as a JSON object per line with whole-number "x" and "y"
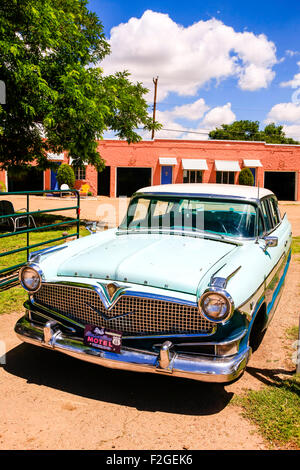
{"x": 257, "y": 218}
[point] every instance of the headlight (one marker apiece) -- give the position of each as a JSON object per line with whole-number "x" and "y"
{"x": 30, "y": 278}
{"x": 216, "y": 306}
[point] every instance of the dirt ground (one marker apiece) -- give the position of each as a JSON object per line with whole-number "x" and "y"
{"x": 51, "y": 401}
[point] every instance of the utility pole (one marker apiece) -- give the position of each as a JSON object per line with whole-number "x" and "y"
{"x": 155, "y": 80}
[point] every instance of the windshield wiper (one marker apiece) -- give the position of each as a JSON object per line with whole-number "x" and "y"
{"x": 193, "y": 232}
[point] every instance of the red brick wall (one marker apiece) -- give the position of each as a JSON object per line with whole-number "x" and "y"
{"x": 146, "y": 154}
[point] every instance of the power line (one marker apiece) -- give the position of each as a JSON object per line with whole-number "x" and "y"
{"x": 216, "y": 129}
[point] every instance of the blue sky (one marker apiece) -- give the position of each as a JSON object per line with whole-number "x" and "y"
{"x": 240, "y": 60}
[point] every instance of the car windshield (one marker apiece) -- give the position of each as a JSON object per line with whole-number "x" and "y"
{"x": 169, "y": 213}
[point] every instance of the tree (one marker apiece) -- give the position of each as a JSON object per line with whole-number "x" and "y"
{"x": 249, "y": 130}
{"x": 65, "y": 175}
{"x": 246, "y": 177}
{"x": 57, "y": 96}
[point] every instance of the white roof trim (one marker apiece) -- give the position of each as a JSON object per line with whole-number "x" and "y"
{"x": 194, "y": 164}
{"x": 227, "y": 165}
{"x": 55, "y": 156}
{"x": 252, "y": 163}
{"x": 167, "y": 161}
{"x": 235, "y": 190}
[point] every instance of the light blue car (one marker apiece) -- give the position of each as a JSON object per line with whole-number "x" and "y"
{"x": 186, "y": 285}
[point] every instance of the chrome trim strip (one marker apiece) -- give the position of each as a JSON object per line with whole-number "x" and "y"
{"x": 34, "y": 256}
{"x": 214, "y": 343}
{"x": 196, "y": 195}
{"x": 222, "y": 282}
{"x": 201, "y": 368}
{"x": 130, "y": 293}
{"x": 183, "y": 233}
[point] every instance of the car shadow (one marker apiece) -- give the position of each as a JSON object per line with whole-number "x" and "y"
{"x": 145, "y": 392}
{"x": 270, "y": 377}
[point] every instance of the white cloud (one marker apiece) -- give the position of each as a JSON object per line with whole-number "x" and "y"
{"x": 173, "y": 129}
{"x": 284, "y": 112}
{"x": 254, "y": 77}
{"x": 187, "y": 58}
{"x": 291, "y": 53}
{"x": 192, "y": 111}
{"x": 292, "y": 131}
{"x": 295, "y": 82}
{"x": 218, "y": 116}
{"x": 288, "y": 114}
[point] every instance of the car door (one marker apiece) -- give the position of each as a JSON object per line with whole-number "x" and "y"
{"x": 276, "y": 257}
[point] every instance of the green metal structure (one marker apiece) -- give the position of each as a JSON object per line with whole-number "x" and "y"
{"x": 9, "y": 275}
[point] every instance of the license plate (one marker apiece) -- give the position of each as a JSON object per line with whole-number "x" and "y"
{"x": 101, "y": 338}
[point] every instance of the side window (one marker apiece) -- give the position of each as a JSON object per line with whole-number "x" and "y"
{"x": 266, "y": 215}
{"x": 274, "y": 211}
{"x": 260, "y": 225}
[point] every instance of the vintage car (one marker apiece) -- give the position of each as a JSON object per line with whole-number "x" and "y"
{"x": 185, "y": 286}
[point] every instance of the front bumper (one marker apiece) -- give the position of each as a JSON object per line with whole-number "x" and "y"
{"x": 203, "y": 368}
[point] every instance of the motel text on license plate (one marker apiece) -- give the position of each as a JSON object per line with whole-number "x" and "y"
{"x": 101, "y": 338}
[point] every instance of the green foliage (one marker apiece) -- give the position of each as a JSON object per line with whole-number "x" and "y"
{"x": 296, "y": 245}
{"x": 65, "y": 175}
{"x": 249, "y": 130}
{"x": 276, "y": 410}
{"x": 2, "y": 187}
{"x": 246, "y": 177}
{"x": 49, "y": 61}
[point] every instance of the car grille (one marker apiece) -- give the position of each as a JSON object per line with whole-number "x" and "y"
{"x": 145, "y": 316}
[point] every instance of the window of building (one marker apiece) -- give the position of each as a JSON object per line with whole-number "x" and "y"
{"x": 225, "y": 177}
{"x": 192, "y": 176}
{"x": 80, "y": 173}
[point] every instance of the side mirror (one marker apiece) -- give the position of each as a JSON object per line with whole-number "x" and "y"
{"x": 270, "y": 241}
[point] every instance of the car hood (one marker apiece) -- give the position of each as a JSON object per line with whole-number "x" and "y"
{"x": 171, "y": 262}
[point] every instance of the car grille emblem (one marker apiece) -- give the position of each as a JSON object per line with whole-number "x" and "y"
{"x": 109, "y": 295}
{"x": 111, "y": 289}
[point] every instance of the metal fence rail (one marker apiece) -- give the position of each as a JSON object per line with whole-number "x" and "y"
{"x": 9, "y": 275}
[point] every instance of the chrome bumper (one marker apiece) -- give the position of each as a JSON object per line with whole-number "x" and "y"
{"x": 203, "y": 368}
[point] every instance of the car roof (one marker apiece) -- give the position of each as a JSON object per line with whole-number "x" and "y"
{"x": 210, "y": 189}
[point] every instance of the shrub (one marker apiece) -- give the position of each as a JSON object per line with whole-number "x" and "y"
{"x": 246, "y": 178}
{"x": 65, "y": 175}
{"x": 2, "y": 187}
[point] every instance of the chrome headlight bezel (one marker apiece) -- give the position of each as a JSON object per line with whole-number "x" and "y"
{"x": 225, "y": 297}
{"x": 37, "y": 272}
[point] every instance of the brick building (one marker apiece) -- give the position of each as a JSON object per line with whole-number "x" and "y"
{"x": 129, "y": 167}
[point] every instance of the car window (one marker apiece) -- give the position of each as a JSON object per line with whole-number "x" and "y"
{"x": 266, "y": 215}
{"x": 139, "y": 211}
{"x": 230, "y": 218}
{"x": 260, "y": 228}
{"x": 274, "y": 211}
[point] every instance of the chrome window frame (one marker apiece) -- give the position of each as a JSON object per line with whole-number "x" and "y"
{"x": 218, "y": 197}
{"x": 273, "y": 227}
